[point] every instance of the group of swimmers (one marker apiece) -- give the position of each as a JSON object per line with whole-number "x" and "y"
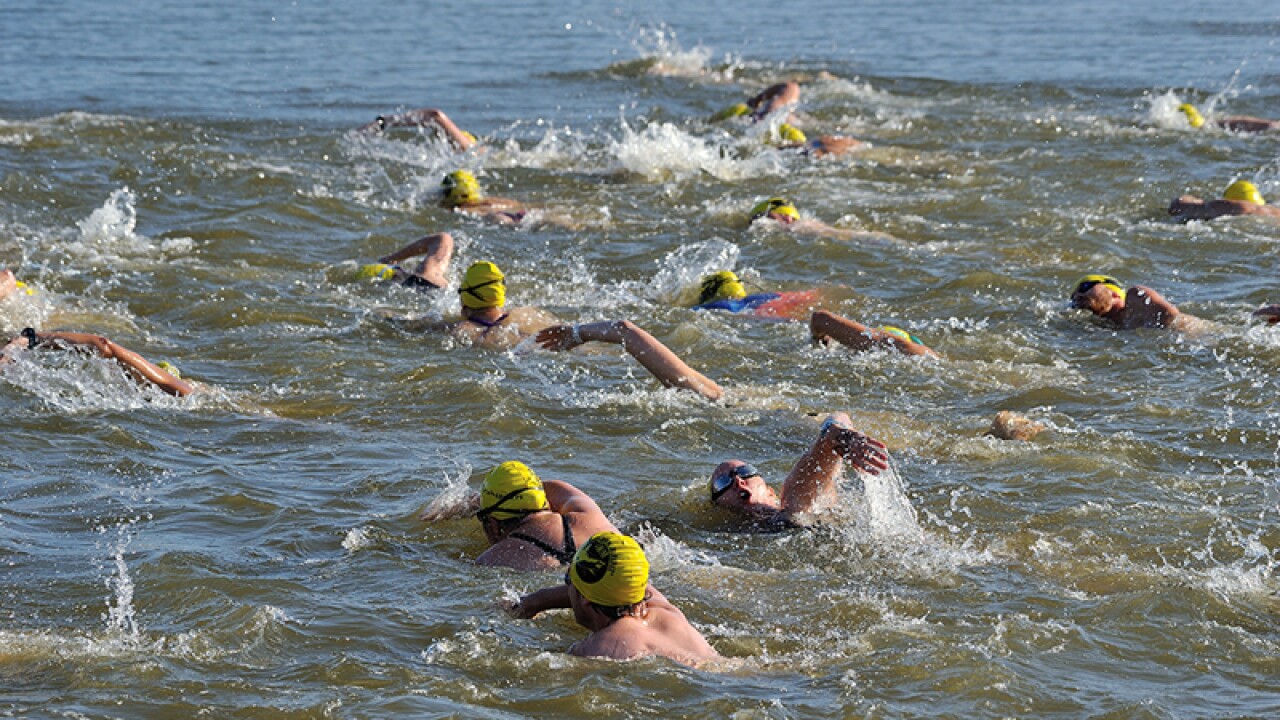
{"x": 536, "y": 525}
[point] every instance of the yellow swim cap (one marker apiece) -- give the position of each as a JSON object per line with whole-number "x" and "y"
{"x": 1088, "y": 281}
{"x": 469, "y": 136}
{"x": 511, "y": 490}
{"x": 790, "y": 133}
{"x": 483, "y": 286}
{"x": 901, "y": 334}
{"x": 610, "y": 570}
{"x": 24, "y": 287}
{"x": 723, "y": 285}
{"x": 731, "y": 112}
{"x": 460, "y": 188}
{"x": 376, "y": 271}
{"x": 170, "y": 368}
{"x": 774, "y": 205}
{"x": 1244, "y": 191}
{"x": 1193, "y": 115}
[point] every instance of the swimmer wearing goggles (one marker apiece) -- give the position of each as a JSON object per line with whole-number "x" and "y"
{"x": 810, "y": 486}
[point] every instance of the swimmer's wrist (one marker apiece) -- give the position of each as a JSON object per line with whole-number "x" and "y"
{"x": 576, "y": 334}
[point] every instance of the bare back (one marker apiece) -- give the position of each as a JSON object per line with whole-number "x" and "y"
{"x": 515, "y": 325}
{"x": 663, "y": 632}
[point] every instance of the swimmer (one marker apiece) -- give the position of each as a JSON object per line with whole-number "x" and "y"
{"x": 657, "y": 358}
{"x": 810, "y": 486}
{"x": 825, "y": 326}
{"x": 1009, "y": 425}
{"x": 533, "y": 524}
{"x": 162, "y": 375}
{"x": 1139, "y": 307}
{"x": 1235, "y": 123}
{"x": 792, "y": 138}
{"x": 780, "y": 213}
{"x": 436, "y": 252}
{"x": 608, "y": 588}
{"x": 724, "y": 291}
{"x": 771, "y": 99}
{"x": 425, "y": 117}
{"x": 462, "y": 194}
{"x": 487, "y": 322}
{"x": 1240, "y": 198}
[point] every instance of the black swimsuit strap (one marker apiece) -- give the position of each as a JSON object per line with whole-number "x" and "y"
{"x": 565, "y": 555}
{"x": 486, "y": 323}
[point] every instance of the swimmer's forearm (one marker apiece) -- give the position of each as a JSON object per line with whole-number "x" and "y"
{"x": 552, "y": 598}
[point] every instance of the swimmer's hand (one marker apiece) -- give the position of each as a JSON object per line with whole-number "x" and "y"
{"x": 559, "y": 337}
{"x": 861, "y": 451}
{"x": 528, "y": 607}
{"x": 1270, "y": 313}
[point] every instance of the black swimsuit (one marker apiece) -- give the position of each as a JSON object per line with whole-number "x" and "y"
{"x": 486, "y": 324}
{"x": 419, "y": 283}
{"x": 564, "y": 556}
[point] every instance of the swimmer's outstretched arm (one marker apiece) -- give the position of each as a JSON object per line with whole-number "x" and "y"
{"x": 825, "y": 326}
{"x": 437, "y": 251}
{"x": 423, "y": 118}
{"x": 653, "y": 355}
{"x": 552, "y": 598}
{"x": 141, "y": 367}
{"x": 813, "y": 477}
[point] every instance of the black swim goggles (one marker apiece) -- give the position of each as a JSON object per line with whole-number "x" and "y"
{"x": 497, "y": 506}
{"x": 1087, "y": 285}
{"x": 720, "y": 485}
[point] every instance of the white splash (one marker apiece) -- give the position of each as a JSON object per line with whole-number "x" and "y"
{"x": 358, "y": 539}
{"x": 663, "y": 150}
{"x": 120, "y": 618}
{"x": 107, "y": 236}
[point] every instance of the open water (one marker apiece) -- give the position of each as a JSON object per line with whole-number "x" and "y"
{"x": 180, "y": 176}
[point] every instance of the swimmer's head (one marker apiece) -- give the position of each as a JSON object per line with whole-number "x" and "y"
{"x": 483, "y": 286}
{"x": 900, "y": 334}
{"x": 511, "y": 490}
{"x": 460, "y": 187}
{"x": 732, "y": 111}
{"x": 1243, "y": 191}
{"x": 776, "y": 208}
{"x": 610, "y": 570}
{"x": 1087, "y": 283}
{"x": 723, "y": 285}
{"x": 376, "y": 271}
{"x": 170, "y": 368}
{"x": 790, "y": 134}
{"x": 1193, "y": 115}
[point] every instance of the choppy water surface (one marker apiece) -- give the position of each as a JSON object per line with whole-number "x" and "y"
{"x": 183, "y": 180}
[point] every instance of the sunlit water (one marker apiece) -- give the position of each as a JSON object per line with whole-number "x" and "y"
{"x": 183, "y": 180}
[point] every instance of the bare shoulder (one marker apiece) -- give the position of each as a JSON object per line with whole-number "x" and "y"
{"x": 530, "y": 320}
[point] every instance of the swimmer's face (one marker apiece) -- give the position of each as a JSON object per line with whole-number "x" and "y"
{"x": 1099, "y": 299}
{"x": 782, "y": 218}
{"x": 743, "y": 491}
